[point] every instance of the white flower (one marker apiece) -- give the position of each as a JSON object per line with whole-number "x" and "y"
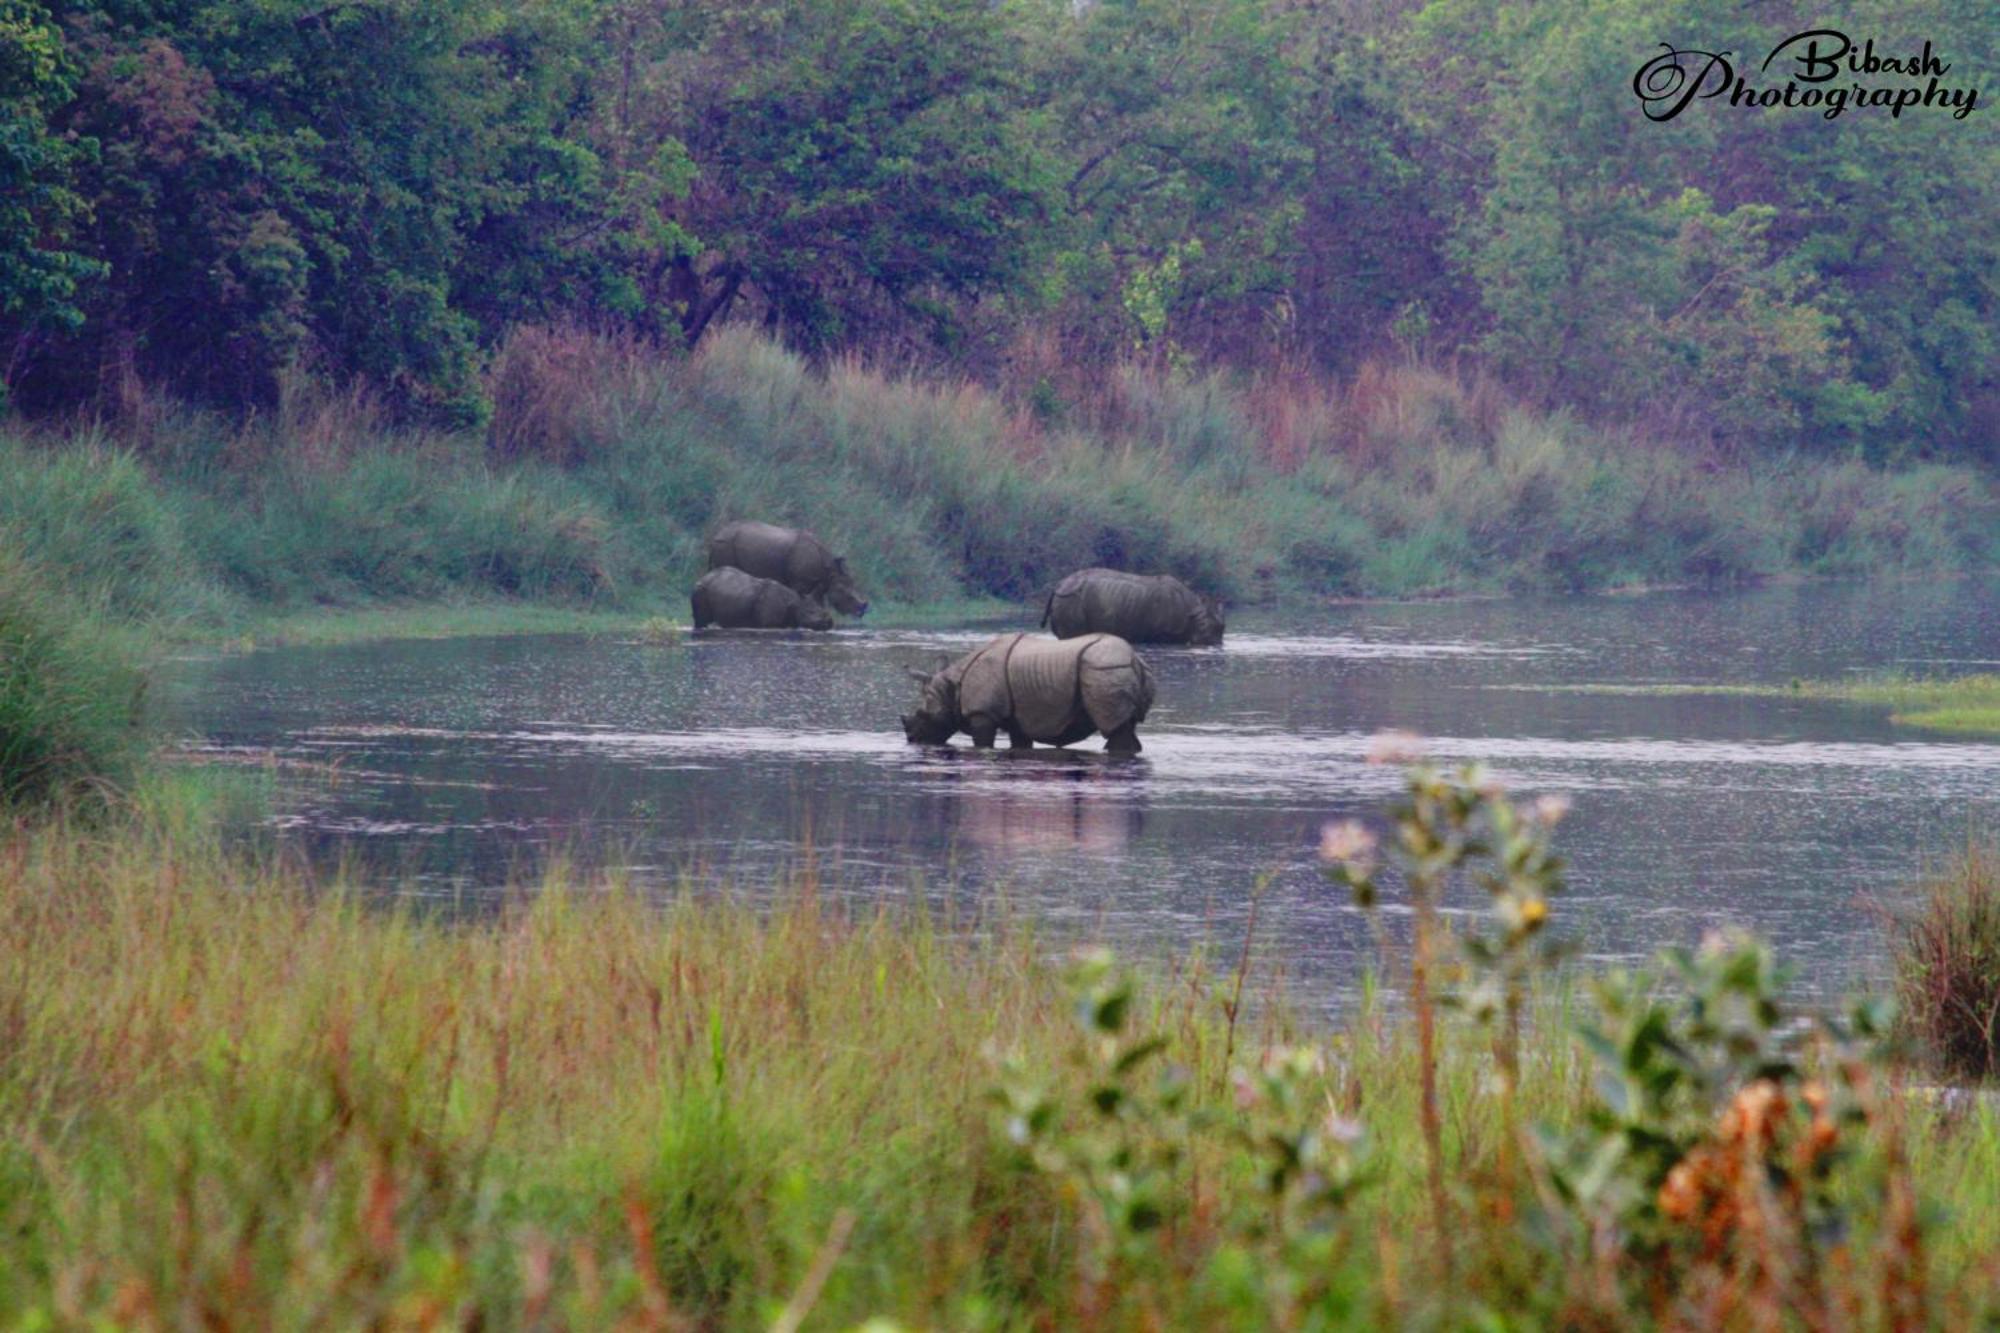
{"x": 1395, "y": 747}
{"x": 1342, "y": 1129}
{"x": 1549, "y": 810}
{"x": 1346, "y": 842}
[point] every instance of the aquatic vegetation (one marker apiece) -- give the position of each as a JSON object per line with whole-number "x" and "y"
{"x": 1965, "y": 704}
{"x": 661, "y": 631}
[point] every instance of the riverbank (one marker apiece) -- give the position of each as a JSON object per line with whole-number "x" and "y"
{"x": 591, "y": 493}
{"x": 326, "y": 626}
{"x": 230, "y": 1094}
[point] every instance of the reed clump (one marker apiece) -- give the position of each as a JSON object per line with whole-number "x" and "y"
{"x": 1947, "y": 963}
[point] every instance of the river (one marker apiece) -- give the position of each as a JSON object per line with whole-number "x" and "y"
{"x": 451, "y": 769}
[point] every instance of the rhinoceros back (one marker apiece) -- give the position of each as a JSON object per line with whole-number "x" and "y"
{"x": 1043, "y": 677}
{"x": 796, "y": 559}
{"x": 1017, "y": 679}
{"x": 1140, "y": 608}
{"x": 729, "y": 597}
{"x": 1051, "y": 688}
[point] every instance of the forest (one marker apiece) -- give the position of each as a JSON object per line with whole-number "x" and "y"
{"x": 216, "y": 200}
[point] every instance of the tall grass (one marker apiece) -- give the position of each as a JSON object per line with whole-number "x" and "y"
{"x": 606, "y": 463}
{"x": 69, "y": 693}
{"x": 231, "y": 1096}
{"x": 1947, "y": 961}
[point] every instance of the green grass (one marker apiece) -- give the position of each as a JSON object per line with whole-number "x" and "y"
{"x": 324, "y": 626}
{"x": 1968, "y": 705}
{"x": 228, "y": 1094}
{"x": 70, "y": 693}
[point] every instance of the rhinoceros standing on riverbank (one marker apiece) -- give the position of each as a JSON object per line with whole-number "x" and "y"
{"x": 1036, "y": 689}
{"x": 794, "y": 558}
{"x": 735, "y": 600}
{"x": 1139, "y": 608}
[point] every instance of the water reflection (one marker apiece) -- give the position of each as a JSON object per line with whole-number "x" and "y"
{"x": 1040, "y": 802}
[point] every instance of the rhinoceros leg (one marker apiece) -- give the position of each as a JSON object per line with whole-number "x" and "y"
{"x": 983, "y": 730}
{"x": 1019, "y": 739}
{"x": 1124, "y": 740}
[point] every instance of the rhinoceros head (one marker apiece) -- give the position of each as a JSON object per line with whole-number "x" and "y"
{"x": 1205, "y": 628}
{"x": 936, "y": 717}
{"x": 840, "y": 590}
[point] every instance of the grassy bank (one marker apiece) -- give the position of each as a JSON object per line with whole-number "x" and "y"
{"x": 1966, "y": 705}
{"x": 71, "y": 698}
{"x": 605, "y": 465}
{"x": 229, "y": 1096}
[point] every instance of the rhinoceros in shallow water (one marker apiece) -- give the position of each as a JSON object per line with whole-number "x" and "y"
{"x": 1140, "y": 608}
{"x": 735, "y": 600}
{"x": 797, "y": 559}
{"x": 1035, "y": 689}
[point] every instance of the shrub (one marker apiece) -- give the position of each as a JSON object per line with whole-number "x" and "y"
{"x": 1947, "y": 960}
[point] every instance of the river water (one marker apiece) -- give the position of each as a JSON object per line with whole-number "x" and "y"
{"x": 456, "y": 767}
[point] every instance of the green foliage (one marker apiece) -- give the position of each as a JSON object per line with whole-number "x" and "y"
{"x": 1724, "y": 1137}
{"x": 1124, "y": 1147}
{"x": 217, "y": 197}
{"x": 1763, "y": 283}
{"x": 39, "y": 273}
{"x": 102, "y": 528}
{"x": 858, "y": 167}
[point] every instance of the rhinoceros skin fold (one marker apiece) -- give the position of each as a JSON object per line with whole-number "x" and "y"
{"x": 732, "y": 599}
{"x": 1139, "y": 608}
{"x": 1051, "y": 691}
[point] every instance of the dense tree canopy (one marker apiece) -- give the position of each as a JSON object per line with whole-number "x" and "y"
{"x": 205, "y": 196}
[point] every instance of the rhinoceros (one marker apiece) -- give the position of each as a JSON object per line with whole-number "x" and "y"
{"x": 1139, "y": 608}
{"x": 793, "y": 557}
{"x": 1036, "y": 689}
{"x": 735, "y": 600}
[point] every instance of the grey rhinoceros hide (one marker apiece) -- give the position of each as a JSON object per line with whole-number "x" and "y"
{"x": 736, "y": 600}
{"x": 1053, "y": 691}
{"x": 795, "y": 558}
{"x": 1140, "y": 608}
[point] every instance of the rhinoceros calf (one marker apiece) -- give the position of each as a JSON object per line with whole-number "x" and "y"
{"x": 735, "y": 600}
{"x": 1139, "y": 608}
{"x": 794, "y": 558}
{"x": 1036, "y": 689}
